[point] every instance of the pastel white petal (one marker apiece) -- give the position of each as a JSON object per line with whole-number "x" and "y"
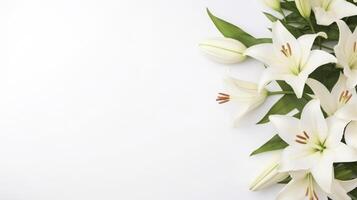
{"x": 351, "y": 134}
{"x": 351, "y": 77}
{"x": 282, "y": 37}
{"x": 313, "y": 120}
{"x": 264, "y": 53}
{"x": 298, "y": 157}
{"x": 349, "y": 185}
{"x": 323, "y": 173}
{"x": 323, "y": 94}
{"x": 345, "y": 32}
{"x": 236, "y": 86}
{"x": 306, "y": 42}
{"x": 338, "y": 192}
{"x": 343, "y": 9}
{"x": 242, "y": 111}
{"x": 269, "y": 75}
{"x": 323, "y": 17}
{"x": 316, "y": 59}
{"x": 336, "y": 129}
{"x": 339, "y": 86}
{"x": 348, "y": 112}
{"x": 344, "y": 153}
{"x": 297, "y": 83}
{"x": 296, "y": 190}
{"x": 287, "y": 127}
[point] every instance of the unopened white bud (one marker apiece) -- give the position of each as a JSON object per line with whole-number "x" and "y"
{"x": 273, "y": 4}
{"x": 224, "y": 50}
{"x": 304, "y": 7}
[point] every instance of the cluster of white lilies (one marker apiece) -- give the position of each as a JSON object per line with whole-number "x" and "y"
{"x": 326, "y": 132}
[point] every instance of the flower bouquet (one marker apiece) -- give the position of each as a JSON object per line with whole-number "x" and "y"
{"x": 312, "y": 56}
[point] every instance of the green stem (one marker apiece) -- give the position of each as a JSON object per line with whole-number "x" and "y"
{"x": 311, "y": 26}
{"x": 314, "y": 31}
{"x": 280, "y": 92}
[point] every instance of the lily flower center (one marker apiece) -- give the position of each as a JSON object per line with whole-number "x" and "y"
{"x": 316, "y": 145}
{"x": 345, "y": 97}
{"x": 288, "y": 53}
{"x": 223, "y": 98}
{"x": 310, "y": 191}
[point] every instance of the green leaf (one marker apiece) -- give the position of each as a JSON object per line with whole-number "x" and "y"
{"x": 231, "y": 31}
{"x": 286, "y": 181}
{"x": 271, "y": 17}
{"x": 286, "y": 104}
{"x": 346, "y": 171}
{"x": 327, "y": 75}
{"x": 275, "y": 143}
{"x": 353, "y": 194}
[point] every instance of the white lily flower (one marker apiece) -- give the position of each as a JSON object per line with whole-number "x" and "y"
{"x": 304, "y": 7}
{"x": 346, "y": 53}
{"x": 341, "y": 102}
{"x": 270, "y": 175}
{"x": 304, "y": 186}
{"x": 351, "y": 134}
{"x": 273, "y": 4}
{"x": 244, "y": 95}
{"x": 289, "y": 59}
{"x": 224, "y": 50}
{"x": 330, "y": 11}
{"x": 314, "y": 143}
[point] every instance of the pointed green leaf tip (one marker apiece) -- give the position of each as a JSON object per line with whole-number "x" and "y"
{"x": 275, "y": 143}
{"x": 286, "y": 104}
{"x": 231, "y": 31}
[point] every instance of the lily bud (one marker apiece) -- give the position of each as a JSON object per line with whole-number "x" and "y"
{"x": 245, "y": 95}
{"x": 270, "y": 175}
{"x": 224, "y": 50}
{"x": 273, "y": 4}
{"x": 304, "y": 7}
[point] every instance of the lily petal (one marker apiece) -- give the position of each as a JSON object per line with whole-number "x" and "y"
{"x": 344, "y": 153}
{"x": 297, "y": 83}
{"x": 324, "y": 95}
{"x": 281, "y": 36}
{"x": 349, "y": 185}
{"x": 295, "y": 189}
{"x": 336, "y": 129}
{"x": 269, "y": 75}
{"x": 338, "y": 192}
{"x": 317, "y": 58}
{"x": 287, "y": 127}
{"x": 351, "y": 134}
{"x": 313, "y": 120}
{"x": 306, "y": 42}
{"x": 298, "y": 158}
{"x": 264, "y": 53}
{"x": 343, "y": 9}
{"x": 348, "y": 112}
{"x": 323, "y": 173}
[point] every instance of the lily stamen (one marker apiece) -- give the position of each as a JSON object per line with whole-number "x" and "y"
{"x": 302, "y": 139}
{"x": 223, "y": 98}
{"x": 345, "y": 97}
{"x": 286, "y": 50}
{"x": 310, "y": 191}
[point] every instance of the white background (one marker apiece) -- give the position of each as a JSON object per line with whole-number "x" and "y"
{"x": 111, "y": 99}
